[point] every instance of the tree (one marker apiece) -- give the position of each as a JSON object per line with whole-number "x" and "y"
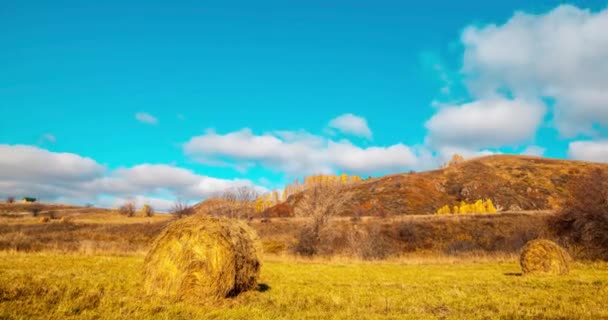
{"x": 478, "y": 207}
{"x": 147, "y": 211}
{"x": 490, "y": 206}
{"x": 259, "y": 204}
{"x": 127, "y": 209}
{"x": 583, "y": 220}
{"x": 10, "y": 199}
{"x": 34, "y": 209}
{"x": 320, "y": 203}
{"x": 181, "y": 209}
{"x": 238, "y": 202}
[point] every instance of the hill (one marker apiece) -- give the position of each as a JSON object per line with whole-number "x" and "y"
{"x": 514, "y": 183}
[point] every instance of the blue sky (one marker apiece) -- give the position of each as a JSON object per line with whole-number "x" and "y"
{"x": 180, "y": 99}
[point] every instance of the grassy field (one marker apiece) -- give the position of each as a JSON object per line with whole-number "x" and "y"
{"x": 54, "y": 286}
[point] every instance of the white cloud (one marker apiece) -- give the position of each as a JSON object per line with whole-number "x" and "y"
{"x": 28, "y": 163}
{"x": 561, "y": 55}
{"x": 48, "y": 137}
{"x": 596, "y": 151}
{"x": 32, "y": 171}
{"x": 147, "y": 118}
{"x": 485, "y": 123}
{"x": 351, "y": 124}
{"x": 298, "y": 153}
{"x": 534, "y": 151}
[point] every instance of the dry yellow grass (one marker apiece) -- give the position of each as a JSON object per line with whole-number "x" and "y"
{"x": 202, "y": 259}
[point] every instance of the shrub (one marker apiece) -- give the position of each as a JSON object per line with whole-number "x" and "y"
{"x": 181, "y": 209}
{"x": 147, "y": 211}
{"x": 10, "y": 199}
{"x": 544, "y": 256}
{"x": 34, "y": 209}
{"x": 583, "y": 220}
{"x": 307, "y": 242}
{"x": 44, "y": 220}
{"x": 127, "y": 209}
{"x": 202, "y": 259}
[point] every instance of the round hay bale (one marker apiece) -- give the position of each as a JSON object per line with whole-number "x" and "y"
{"x": 544, "y": 256}
{"x": 203, "y": 259}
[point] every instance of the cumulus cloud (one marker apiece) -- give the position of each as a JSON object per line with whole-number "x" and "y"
{"x": 561, "y": 55}
{"x": 485, "y": 123}
{"x": 298, "y": 153}
{"x": 596, "y": 151}
{"x": 32, "y": 171}
{"x": 146, "y": 118}
{"x": 352, "y": 125}
{"x": 534, "y": 151}
{"x": 48, "y": 138}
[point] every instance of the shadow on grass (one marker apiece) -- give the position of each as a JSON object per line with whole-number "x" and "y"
{"x": 262, "y": 287}
{"x": 513, "y": 274}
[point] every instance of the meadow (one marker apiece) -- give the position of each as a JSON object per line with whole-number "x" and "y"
{"x": 63, "y": 286}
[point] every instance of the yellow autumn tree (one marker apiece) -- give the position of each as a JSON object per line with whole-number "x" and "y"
{"x": 259, "y": 204}
{"x": 490, "y": 206}
{"x": 478, "y": 207}
{"x": 443, "y": 210}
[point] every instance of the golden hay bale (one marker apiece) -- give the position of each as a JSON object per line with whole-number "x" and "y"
{"x": 202, "y": 259}
{"x": 544, "y": 256}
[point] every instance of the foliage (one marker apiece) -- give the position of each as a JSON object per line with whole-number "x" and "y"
{"x": 477, "y": 207}
{"x": 10, "y": 199}
{"x": 582, "y": 223}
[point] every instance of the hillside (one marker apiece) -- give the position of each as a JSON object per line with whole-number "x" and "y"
{"x": 513, "y": 182}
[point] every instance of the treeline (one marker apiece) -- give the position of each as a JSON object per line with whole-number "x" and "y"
{"x": 273, "y": 198}
{"x": 477, "y": 207}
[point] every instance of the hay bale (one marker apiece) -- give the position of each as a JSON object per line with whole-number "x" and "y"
{"x": 544, "y": 256}
{"x": 202, "y": 259}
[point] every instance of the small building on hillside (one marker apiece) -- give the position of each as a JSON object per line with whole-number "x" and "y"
{"x": 28, "y": 200}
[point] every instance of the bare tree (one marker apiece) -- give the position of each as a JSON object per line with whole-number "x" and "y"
{"x": 236, "y": 203}
{"x": 320, "y": 203}
{"x": 127, "y": 209}
{"x": 34, "y": 209}
{"x": 181, "y": 209}
{"x": 147, "y": 211}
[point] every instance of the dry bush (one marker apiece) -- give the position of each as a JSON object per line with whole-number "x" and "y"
{"x": 44, "y": 220}
{"x": 127, "y": 209}
{"x": 582, "y": 223}
{"x": 369, "y": 243}
{"x": 317, "y": 202}
{"x": 202, "y": 259}
{"x": 10, "y": 199}
{"x": 34, "y": 209}
{"x": 147, "y": 211}
{"x": 181, "y": 209}
{"x": 544, "y": 256}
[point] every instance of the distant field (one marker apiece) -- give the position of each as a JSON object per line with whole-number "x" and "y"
{"x": 102, "y": 287}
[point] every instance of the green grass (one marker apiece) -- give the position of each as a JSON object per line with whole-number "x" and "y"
{"x": 53, "y": 286}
